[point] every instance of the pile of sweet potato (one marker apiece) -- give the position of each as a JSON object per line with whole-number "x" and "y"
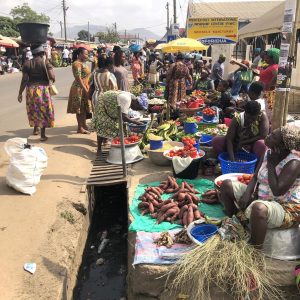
{"x": 181, "y": 207}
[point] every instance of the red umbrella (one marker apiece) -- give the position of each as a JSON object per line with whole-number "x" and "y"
{"x": 7, "y": 42}
{"x": 86, "y": 46}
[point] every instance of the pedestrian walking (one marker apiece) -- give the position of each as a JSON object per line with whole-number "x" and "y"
{"x": 79, "y": 102}
{"x": 36, "y": 75}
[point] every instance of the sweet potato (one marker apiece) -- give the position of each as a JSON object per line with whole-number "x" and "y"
{"x": 160, "y": 218}
{"x": 194, "y": 206}
{"x": 190, "y": 215}
{"x": 151, "y": 208}
{"x": 143, "y": 205}
{"x": 180, "y": 222}
{"x": 181, "y": 196}
{"x": 197, "y": 214}
{"x": 174, "y": 217}
{"x": 155, "y": 203}
{"x": 154, "y": 215}
{"x": 168, "y": 206}
{"x": 187, "y": 186}
{"x": 188, "y": 198}
{"x": 182, "y": 210}
{"x": 169, "y": 190}
{"x": 155, "y": 191}
{"x": 184, "y": 219}
{"x": 146, "y": 211}
{"x": 172, "y": 211}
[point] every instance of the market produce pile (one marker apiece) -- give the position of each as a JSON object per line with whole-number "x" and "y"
{"x": 127, "y": 140}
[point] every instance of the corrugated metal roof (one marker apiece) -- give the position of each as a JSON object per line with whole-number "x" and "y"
{"x": 245, "y": 10}
{"x": 269, "y": 23}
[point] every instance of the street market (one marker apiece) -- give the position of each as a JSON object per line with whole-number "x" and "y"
{"x": 193, "y": 189}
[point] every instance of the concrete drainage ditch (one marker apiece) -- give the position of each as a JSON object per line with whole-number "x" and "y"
{"x": 102, "y": 276}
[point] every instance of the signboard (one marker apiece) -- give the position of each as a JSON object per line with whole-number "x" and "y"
{"x": 211, "y": 31}
{"x": 175, "y": 29}
{"x": 171, "y": 38}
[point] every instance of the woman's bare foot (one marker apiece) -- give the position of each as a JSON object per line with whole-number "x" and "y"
{"x": 36, "y": 130}
{"x": 83, "y": 131}
{"x": 43, "y": 138}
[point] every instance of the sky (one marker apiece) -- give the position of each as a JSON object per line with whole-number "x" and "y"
{"x": 128, "y": 14}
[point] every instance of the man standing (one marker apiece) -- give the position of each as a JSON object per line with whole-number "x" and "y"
{"x": 66, "y": 56}
{"x": 257, "y": 58}
{"x": 217, "y": 72}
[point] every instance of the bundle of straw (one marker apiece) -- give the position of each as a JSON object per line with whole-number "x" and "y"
{"x": 234, "y": 268}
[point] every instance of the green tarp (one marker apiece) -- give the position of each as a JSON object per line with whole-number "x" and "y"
{"x": 146, "y": 223}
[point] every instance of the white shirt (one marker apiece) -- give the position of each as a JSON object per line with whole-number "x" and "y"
{"x": 65, "y": 53}
{"x": 124, "y": 100}
{"x": 262, "y": 104}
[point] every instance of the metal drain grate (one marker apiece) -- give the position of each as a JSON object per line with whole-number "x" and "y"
{"x": 104, "y": 173}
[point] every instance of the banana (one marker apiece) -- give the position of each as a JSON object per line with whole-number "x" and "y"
{"x": 164, "y": 126}
{"x": 213, "y": 221}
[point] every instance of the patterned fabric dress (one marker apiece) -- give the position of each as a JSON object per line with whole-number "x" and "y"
{"x": 39, "y": 106}
{"x": 78, "y": 100}
{"x": 290, "y": 201}
{"x": 177, "y": 74}
{"x": 105, "y": 119}
{"x": 136, "y": 68}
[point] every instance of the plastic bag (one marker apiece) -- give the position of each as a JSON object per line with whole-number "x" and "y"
{"x": 26, "y": 166}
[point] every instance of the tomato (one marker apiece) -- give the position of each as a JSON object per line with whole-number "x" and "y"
{"x": 246, "y": 176}
{"x": 240, "y": 178}
{"x": 219, "y": 183}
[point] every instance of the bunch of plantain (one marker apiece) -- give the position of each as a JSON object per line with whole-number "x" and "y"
{"x": 182, "y": 237}
{"x": 164, "y": 240}
{"x": 167, "y": 131}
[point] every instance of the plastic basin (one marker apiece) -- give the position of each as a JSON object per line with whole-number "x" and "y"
{"x": 190, "y": 127}
{"x": 208, "y": 118}
{"x": 154, "y": 145}
{"x": 203, "y": 232}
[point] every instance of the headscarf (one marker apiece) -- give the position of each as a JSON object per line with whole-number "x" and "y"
{"x": 291, "y": 138}
{"x": 274, "y": 54}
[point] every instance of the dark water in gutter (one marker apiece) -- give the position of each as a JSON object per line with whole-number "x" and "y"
{"x": 105, "y": 281}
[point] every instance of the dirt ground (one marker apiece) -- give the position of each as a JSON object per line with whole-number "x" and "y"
{"x": 45, "y": 228}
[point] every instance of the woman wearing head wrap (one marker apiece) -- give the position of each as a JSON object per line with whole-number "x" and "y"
{"x": 268, "y": 75}
{"x": 278, "y": 182}
{"x": 37, "y": 74}
{"x": 204, "y": 83}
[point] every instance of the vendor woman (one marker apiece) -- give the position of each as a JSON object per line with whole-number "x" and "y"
{"x": 278, "y": 182}
{"x": 204, "y": 83}
{"x": 106, "y": 121}
{"x": 247, "y": 131}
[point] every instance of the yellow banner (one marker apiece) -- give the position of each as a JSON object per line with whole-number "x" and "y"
{"x": 211, "y": 31}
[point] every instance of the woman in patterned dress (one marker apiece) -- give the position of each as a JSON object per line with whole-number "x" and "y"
{"x": 39, "y": 105}
{"x": 79, "y": 102}
{"x": 136, "y": 67}
{"x": 278, "y": 181}
{"x": 177, "y": 75}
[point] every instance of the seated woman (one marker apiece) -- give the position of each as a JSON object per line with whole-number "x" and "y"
{"x": 278, "y": 181}
{"x": 247, "y": 131}
{"x": 204, "y": 83}
{"x": 106, "y": 121}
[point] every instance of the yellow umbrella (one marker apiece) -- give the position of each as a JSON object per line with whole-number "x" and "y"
{"x": 160, "y": 46}
{"x": 183, "y": 45}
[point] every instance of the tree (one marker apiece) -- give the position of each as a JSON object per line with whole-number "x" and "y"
{"x": 83, "y": 35}
{"x": 110, "y": 36}
{"x": 24, "y": 13}
{"x": 8, "y": 27}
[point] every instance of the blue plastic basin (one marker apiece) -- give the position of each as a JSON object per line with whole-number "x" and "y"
{"x": 203, "y": 232}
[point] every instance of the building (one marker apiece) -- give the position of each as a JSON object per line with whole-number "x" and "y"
{"x": 246, "y": 11}
{"x": 131, "y": 39}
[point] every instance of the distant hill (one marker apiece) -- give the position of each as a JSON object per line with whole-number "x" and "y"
{"x": 144, "y": 33}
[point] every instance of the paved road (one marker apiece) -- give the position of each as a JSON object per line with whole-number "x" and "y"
{"x": 13, "y": 114}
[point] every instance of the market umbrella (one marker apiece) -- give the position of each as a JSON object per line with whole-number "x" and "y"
{"x": 151, "y": 41}
{"x": 86, "y": 46}
{"x": 160, "y": 46}
{"x": 183, "y": 45}
{"x": 8, "y": 42}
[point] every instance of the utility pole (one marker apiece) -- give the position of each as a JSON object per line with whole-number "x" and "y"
{"x": 286, "y": 60}
{"x": 174, "y": 8}
{"x": 89, "y": 32}
{"x": 65, "y": 17}
{"x": 61, "y": 28}
{"x": 115, "y": 26}
{"x": 138, "y": 41}
{"x": 168, "y": 16}
{"x": 125, "y": 35}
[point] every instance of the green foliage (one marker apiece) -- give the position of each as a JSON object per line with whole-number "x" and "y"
{"x": 8, "y": 27}
{"x": 24, "y": 13}
{"x": 110, "y": 36}
{"x": 83, "y": 35}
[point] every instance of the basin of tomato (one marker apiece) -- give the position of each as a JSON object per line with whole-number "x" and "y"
{"x": 133, "y": 139}
{"x": 245, "y": 178}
